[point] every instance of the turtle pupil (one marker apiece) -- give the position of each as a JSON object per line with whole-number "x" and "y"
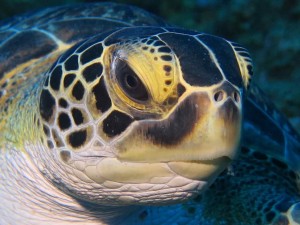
{"x": 129, "y": 81}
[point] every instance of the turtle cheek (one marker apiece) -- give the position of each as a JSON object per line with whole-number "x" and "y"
{"x": 199, "y": 129}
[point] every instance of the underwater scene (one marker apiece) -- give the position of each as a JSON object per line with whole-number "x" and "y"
{"x": 134, "y": 112}
{"x": 268, "y": 29}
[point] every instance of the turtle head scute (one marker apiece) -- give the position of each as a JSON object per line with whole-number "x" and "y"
{"x": 154, "y": 112}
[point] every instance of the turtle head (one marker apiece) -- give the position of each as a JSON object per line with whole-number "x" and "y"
{"x": 144, "y": 115}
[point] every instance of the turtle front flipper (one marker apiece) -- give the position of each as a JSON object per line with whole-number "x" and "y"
{"x": 258, "y": 190}
{"x": 268, "y": 131}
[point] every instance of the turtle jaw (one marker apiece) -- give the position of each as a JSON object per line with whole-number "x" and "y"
{"x": 163, "y": 161}
{"x": 197, "y": 141}
{"x": 200, "y": 170}
{"x": 199, "y": 129}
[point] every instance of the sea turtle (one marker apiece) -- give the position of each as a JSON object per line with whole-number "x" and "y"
{"x": 108, "y": 115}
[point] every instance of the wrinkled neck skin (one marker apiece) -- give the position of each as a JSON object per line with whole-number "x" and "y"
{"x": 27, "y": 197}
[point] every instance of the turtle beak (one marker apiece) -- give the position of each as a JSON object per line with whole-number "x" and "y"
{"x": 216, "y": 130}
{"x": 227, "y": 111}
{"x": 205, "y": 126}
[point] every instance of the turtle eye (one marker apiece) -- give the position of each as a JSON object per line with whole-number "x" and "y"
{"x": 129, "y": 82}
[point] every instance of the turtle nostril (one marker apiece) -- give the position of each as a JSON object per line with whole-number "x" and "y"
{"x": 236, "y": 96}
{"x": 218, "y": 96}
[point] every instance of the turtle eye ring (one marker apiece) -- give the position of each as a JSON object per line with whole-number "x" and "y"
{"x": 129, "y": 82}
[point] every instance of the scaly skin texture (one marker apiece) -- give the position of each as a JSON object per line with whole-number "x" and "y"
{"x": 247, "y": 194}
{"x": 110, "y": 172}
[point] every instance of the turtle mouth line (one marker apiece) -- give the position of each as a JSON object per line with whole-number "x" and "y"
{"x": 217, "y": 160}
{"x": 204, "y": 170}
{"x": 208, "y": 161}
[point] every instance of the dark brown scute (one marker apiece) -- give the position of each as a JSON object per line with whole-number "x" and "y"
{"x": 92, "y": 72}
{"x": 68, "y": 79}
{"x": 225, "y": 57}
{"x": 72, "y": 63}
{"x": 78, "y": 91}
{"x": 91, "y": 53}
{"x": 47, "y": 104}
{"x": 116, "y": 123}
{"x": 103, "y": 101}
{"x": 195, "y": 61}
{"x": 166, "y": 57}
{"x": 159, "y": 43}
{"x": 77, "y": 138}
{"x": 164, "y": 49}
{"x": 55, "y": 78}
{"x": 64, "y": 121}
{"x": 77, "y": 116}
{"x": 63, "y": 103}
